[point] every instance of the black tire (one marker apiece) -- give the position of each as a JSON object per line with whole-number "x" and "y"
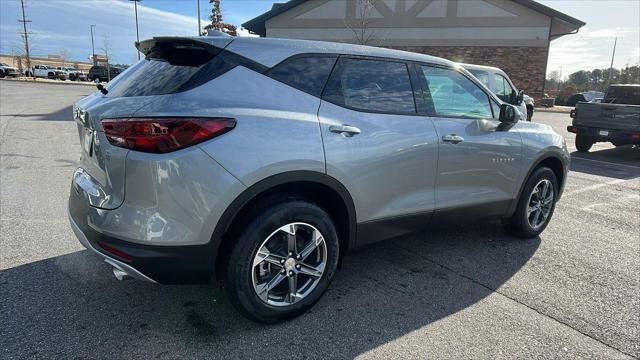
{"x": 529, "y": 113}
{"x": 518, "y": 224}
{"x": 239, "y": 269}
{"x": 1, "y": 74}
{"x": 583, "y": 143}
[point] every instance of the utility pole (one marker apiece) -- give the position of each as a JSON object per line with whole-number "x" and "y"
{"x": 24, "y": 22}
{"x": 135, "y": 6}
{"x": 199, "y": 25}
{"x": 93, "y": 48}
{"x": 612, "y": 57}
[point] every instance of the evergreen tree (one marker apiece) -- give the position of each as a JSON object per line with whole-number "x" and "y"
{"x": 216, "y": 20}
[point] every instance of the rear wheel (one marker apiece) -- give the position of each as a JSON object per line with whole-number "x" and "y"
{"x": 283, "y": 261}
{"x": 535, "y": 206}
{"x": 1, "y": 74}
{"x": 583, "y": 143}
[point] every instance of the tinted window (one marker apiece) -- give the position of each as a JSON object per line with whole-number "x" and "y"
{"x": 371, "y": 85}
{"x": 166, "y": 68}
{"x": 623, "y": 95}
{"x": 452, "y": 94}
{"x": 481, "y": 75}
{"x": 308, "y": 73}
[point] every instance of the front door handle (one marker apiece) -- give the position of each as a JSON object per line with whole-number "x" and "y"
{"x": 346, "y": 130}
{"x": 452, "y": 138}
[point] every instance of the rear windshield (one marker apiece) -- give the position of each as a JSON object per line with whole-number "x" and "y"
{"x": 165, "y": 70}
{"x": 623, "y": 95}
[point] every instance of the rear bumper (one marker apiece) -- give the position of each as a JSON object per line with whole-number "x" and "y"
{"x": 617, "y": 136}
{"x": 193, "y": 264}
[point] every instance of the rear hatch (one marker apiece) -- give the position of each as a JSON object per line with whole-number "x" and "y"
{"x": 171, "y": 65}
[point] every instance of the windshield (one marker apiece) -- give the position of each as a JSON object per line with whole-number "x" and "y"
{"x": 3, "y": 64}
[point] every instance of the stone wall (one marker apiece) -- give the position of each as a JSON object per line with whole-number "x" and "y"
{"x": 526, "y": 66}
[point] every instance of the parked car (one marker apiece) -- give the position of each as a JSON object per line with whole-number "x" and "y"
{"x": 6, "y": 70}
{"x": 587, "y": 96}
{"x": 267, "y": 160}
{"x": 100, "y": 73}
{"x": 500, "y": 84}
{"x": 73, "y": 74}
{"x": 46, "y": 71}
{"x": 616, "y": 119}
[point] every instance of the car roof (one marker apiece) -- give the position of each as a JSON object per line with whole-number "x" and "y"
{"x": 481, "y": 67}
{"x": 271, "y": 51}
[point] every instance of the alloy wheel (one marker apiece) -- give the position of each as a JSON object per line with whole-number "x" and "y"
{"x": 289, "y": 264}
{"x": 540, "y": 204}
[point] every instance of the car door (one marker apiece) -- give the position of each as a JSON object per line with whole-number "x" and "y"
{"x": 479, "y": 158}
{"x": 378, "y": 146}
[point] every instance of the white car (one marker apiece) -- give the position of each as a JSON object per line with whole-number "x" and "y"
{"x": 6, "y": 70}
{"x": 46, "y": 71}
{"x": 500, "y": 84}
{"x": 72, "y": 73}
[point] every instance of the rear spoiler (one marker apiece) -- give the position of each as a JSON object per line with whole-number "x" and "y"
{"x": 212, "y": 43}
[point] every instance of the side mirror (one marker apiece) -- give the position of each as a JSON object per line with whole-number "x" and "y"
{"x": 508, "y": 114}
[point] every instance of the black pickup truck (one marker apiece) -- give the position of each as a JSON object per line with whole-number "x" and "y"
{"x": 616, "y": 119}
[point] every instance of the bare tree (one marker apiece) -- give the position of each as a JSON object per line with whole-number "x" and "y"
{"x": 361, "y": 25}
{"x": 106, "y": 48}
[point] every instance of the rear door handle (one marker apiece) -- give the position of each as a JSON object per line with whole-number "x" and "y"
{"x": 452, "y": 138}
{"x": 346, "y": 130}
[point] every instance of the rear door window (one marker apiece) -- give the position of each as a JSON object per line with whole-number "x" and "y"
{"x": 308, "y": 73}
{"x": 372, "y": 86}
{"x": 453, "y": 95}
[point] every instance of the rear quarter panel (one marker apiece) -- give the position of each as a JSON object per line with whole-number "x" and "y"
{"x": 277, "y": 126}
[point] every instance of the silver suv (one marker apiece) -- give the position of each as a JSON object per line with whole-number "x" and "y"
{"x": 264, "y": 161}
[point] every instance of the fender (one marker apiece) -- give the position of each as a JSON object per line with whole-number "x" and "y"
{"x": 258, "y": 188}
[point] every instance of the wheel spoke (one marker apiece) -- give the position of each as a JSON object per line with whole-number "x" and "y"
{"x": 263, "y": 289}
{"x": 315, "y": 271}
{"x": 265, "y": 255}
{"x": 293, "y": 288}
{"x": 316, "y": 240}
{"x": 536, "y": 217}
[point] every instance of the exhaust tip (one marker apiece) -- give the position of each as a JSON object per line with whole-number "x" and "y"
{"x": 120, "y": 275}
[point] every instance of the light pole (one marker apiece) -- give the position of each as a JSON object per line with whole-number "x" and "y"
{"x": 199, "y": 26}
{"x": 93, "y": 49}
{"x": 135, "y": 6}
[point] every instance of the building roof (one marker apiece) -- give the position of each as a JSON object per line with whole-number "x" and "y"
{"x": 257, "y": 24}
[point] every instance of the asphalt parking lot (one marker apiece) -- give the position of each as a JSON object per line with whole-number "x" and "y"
{"x": 472, "y": 292}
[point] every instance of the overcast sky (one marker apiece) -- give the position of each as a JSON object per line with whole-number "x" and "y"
{"x": 58, "y": 24}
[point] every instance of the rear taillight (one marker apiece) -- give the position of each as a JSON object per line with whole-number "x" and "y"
{"x": 573, "y": 113}
{"x": 161, "y": 135}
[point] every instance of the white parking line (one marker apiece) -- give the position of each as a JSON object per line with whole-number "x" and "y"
{"x": 594, "y": 187}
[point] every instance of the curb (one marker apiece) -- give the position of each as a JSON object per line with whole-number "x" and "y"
{"x": 50, "y": 82}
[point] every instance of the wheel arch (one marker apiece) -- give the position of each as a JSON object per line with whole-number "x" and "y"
{"x": 320, "y": 188}
{"x": 552, "y": 161}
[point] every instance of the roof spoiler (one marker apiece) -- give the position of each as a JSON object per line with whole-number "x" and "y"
{"x": 213, "y": 43}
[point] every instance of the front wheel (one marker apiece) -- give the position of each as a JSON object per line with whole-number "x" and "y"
{"x": 529, "y": 113}
{"x": 282, "y": 262}
{"x": 535, "y": 205}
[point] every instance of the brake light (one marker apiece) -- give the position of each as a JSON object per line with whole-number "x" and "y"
{"x": 635, "y": 136}
{"x": 162, "y": 135}
{"x": 114, "y": 251}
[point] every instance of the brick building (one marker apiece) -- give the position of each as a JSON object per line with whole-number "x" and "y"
{"x": 513, "y": 35}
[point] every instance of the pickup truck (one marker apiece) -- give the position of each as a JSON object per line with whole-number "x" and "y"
{"x": 616, "y": 119}
{"x": 46, "y": 71}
